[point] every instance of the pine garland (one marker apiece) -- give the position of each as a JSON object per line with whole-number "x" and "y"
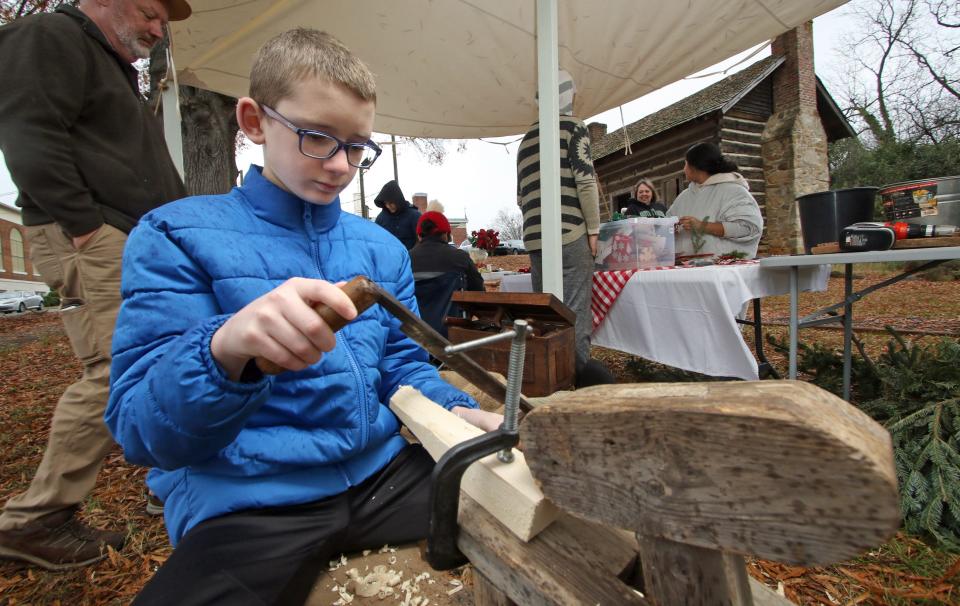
{"x": 920, "y": 406}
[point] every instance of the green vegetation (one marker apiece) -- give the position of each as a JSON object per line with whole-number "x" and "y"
{"x": 51, "y": 299}
{"x": 913, "y": 391}
{"x": 853, "y": 164}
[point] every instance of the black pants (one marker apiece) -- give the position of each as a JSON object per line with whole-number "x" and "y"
{"x": 274, "y": 555}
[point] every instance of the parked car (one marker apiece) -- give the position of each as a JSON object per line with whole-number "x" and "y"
{"x": 19, "y": 300}
{"x": 510, "y": 247}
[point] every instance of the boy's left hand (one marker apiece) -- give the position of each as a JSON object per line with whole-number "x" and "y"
{"x": 487, "y": 421}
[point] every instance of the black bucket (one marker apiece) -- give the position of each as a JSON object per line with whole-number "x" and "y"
{"x": 824, "y": 214}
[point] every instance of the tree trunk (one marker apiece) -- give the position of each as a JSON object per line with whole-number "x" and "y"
{"x": 209, "y": 130}
{"x": 209, "y": 141}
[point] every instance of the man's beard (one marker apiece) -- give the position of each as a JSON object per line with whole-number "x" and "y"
{"x": 132, "y": 42}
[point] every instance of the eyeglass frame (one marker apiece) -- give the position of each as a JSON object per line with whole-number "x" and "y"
{"x": 344, "y": 145}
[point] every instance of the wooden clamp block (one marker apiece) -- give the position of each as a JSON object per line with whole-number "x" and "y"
{"x": 506, "y": 490}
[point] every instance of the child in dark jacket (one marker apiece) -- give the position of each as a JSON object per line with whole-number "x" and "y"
{"x": 265, "y": 478}
{"x": 398, "y": 216}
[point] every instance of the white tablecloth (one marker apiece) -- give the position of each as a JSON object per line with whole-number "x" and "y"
{"x": 516, "y": 283}
{"x": 686, "y": 317}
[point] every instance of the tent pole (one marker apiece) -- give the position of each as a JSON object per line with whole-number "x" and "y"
{"x": 547, "y": 67}
{"x": 170, "y": 99}
{"x": 393, "y": 144}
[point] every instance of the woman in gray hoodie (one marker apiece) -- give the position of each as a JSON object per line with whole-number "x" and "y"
{"x": 717, "y": 214}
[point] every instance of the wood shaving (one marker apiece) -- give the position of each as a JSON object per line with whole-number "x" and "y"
{"x": 375, "y": 583}
{"x": 457, "y": 586}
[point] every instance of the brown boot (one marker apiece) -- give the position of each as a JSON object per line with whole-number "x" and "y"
{"x": 57, "y": 541}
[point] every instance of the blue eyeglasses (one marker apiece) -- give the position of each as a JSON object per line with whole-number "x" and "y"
{"x": 320, "y": 145}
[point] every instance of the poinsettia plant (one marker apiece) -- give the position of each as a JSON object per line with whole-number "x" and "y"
{"x": 485, "y": 239}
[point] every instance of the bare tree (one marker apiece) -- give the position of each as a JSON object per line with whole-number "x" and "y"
{"x": 908, "y": 48}
{"x": 509, "y": 222}
{"x": 433, "y": 150}
{"x": 11, "y": 10}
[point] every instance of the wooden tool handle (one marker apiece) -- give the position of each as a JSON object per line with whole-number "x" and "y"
{"x": 361, "y": 290}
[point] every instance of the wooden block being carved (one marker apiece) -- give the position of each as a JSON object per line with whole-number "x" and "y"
{"x": 506, "y": 490}
{"x": 782, "y": 470}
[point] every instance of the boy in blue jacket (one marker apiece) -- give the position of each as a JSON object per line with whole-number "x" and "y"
{"x": 265, "y": 478}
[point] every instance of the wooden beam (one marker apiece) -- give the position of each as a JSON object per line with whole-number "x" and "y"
{"x": 781, "y": 470}
{"x": 571, "y": 562}
{"x": 506, "y": 490}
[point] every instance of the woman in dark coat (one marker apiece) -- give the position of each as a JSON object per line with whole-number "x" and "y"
{"x": 398, "y": 216}
{"x": 644, "y": 203}
{"x": 434, "y": 254}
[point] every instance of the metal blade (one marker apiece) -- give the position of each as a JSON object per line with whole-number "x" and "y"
{"x": 422, "y": 333}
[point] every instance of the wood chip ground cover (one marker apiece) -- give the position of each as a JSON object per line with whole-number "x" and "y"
{"x": 36, "y": 364}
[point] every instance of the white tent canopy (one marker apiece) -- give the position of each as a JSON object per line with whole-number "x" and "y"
{"x": 466, "y": 69}
{"x": 469, "y": 68}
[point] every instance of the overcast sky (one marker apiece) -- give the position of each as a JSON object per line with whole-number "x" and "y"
{"x": 481, "y": 180}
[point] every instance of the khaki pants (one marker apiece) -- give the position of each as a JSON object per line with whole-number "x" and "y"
{"x": 88, "y": 281}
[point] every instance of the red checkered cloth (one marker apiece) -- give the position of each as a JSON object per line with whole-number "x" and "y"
{"x": 606, "y": 288}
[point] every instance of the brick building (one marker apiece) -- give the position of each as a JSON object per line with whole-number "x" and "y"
{"x": 773, "y": 118}
{"x": 16, "y": 270}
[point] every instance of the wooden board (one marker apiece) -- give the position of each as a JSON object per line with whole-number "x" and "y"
{"x": 834, "y": 247}
{"x": 571, "y": 562}
{"x": 574, "y": 561}
{"x": 782, "y": 470}
{"x": 506, "y": 490}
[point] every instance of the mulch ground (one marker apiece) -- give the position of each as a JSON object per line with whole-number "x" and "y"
{"x": 36, "y": 364}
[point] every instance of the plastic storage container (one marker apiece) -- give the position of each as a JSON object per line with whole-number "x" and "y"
{"x": 636, "y": 243}
{"x": 823, "y": 215}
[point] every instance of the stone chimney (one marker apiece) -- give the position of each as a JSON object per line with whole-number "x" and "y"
{"x": 597, "y": 130}
{"x": 420, "y": 201}
{"x": 794, "y": 144}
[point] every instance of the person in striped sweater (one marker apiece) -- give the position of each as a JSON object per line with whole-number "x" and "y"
{"x": 579, "y": 211}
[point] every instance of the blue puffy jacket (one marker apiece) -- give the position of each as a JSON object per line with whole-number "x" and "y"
{"x": 219, "y": 446}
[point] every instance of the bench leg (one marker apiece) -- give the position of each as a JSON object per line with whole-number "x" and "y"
{"x": 675, "y": 573}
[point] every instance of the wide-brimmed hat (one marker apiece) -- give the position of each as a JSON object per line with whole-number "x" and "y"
{"x": 178, "y": 9}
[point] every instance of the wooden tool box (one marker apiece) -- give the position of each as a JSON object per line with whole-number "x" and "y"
{"x": 549, "y": 362}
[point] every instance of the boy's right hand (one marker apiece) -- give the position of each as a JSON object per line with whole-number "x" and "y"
{"x": 281, "y": 326}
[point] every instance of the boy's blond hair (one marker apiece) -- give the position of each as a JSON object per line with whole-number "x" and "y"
{"x": 301, "y": 53}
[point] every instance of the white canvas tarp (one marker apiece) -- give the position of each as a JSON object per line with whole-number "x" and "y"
{"x": 465, "y": 69}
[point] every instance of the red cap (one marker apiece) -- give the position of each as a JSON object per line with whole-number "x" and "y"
{"x": 440, "y": 224}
